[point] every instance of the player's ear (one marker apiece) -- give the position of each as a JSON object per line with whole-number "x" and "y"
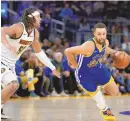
{"x": 94, "y": 33}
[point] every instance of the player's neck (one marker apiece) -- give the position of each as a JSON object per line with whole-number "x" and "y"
{"x": 29, "y": 31}
{"x": 97, "y": 44}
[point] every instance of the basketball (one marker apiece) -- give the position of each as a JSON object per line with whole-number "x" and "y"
{"x": 121, "y": 59}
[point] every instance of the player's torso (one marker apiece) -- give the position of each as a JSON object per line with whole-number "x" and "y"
{"x": 91, "y": 64}
{"x": 21, "y": 44}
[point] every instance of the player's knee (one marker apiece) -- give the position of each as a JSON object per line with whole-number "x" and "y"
{"x": 115, "y": 93}
{"x": 14, "y": 85}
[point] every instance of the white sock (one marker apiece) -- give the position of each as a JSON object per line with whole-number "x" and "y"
{"x": 101, "y": 104}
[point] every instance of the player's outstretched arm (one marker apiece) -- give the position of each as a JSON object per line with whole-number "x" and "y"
{"x": 42, "y": 56}
{"x": 85, "y": 49}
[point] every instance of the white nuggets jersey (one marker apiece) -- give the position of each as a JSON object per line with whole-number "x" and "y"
{"x": 21, "y": 44}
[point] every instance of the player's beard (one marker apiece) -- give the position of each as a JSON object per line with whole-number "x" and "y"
{"x": 101, "y": 41}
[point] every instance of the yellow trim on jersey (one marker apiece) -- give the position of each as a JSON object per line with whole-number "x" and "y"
{"x": 110, "y": 81}
{"x": 100, "y": 49}
{"x": 91, "y": 94}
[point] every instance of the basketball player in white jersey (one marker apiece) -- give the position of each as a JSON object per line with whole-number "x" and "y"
{"x": 14, "y": 41}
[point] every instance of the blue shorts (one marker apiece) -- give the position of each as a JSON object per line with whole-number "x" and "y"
{"x": 91, "y": 79}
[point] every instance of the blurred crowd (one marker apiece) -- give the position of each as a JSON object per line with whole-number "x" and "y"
{"x": 37, "y": 80}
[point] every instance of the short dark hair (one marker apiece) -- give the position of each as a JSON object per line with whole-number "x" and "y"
{"x": 99, "y": 25}
{"x": 28, "y": 21}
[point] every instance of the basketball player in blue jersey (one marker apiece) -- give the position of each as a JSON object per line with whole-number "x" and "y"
{"x": 90, "y": 72}
{"x": 14, "y": 41}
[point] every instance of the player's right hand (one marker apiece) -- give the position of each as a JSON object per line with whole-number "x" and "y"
{"x": 11, "y": 48}
{"x": 56, "y": 73}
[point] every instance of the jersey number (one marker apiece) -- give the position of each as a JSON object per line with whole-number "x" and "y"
{"x": 21, "y": 49}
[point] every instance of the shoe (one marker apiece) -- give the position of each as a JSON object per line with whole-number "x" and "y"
{"x": 47, "y": 94}
{"x": 42, "y": 94}
{"x": 66, "y": 91}
{"x": 63, "y": 94}
{"x": 107, "y": 115}
{"x": 76, "y": 93}
{"x": 3, "y": 116}
{"x": 33, "y": 95}
{"x": 55, "y": 94}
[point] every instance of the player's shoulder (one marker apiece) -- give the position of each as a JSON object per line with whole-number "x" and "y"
{"x": 89, "y": 43}
{"x": 17, "y": 27}
{"x": 89, "y": 47}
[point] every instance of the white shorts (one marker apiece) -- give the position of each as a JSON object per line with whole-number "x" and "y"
{"x": 7, "y": 75}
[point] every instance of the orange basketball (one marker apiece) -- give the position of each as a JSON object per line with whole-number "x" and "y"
{"x": 121, "y": 59}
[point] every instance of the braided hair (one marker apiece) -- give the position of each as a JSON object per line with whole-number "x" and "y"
{"x": 29, "y": 21}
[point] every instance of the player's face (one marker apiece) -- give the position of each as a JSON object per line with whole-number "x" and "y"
{"x": 100, "y": 35}
{"x": 38, "y": 20}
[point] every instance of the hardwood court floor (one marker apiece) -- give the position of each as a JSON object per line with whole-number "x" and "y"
{"x": 64, "y": 109}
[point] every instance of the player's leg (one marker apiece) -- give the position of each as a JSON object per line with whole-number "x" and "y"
{"x": 8, "y": 91}
{"x": 91, "y": 89}
{"x": 9, "y": 79}
{"x": 3, "y": 116}
{"x": 101, "y": 104}
{"x": 105, "y": 79}
{"x": 111, "y": 88}
{"x": 8, "y": 88}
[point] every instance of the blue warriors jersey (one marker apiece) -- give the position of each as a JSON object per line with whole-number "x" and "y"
{"x": 90, "y": 69}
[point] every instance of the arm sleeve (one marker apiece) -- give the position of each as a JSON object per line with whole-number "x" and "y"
{"x": 45, "y": 60}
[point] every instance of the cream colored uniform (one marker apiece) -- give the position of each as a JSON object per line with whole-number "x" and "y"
{"x": 8, "y": 59}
